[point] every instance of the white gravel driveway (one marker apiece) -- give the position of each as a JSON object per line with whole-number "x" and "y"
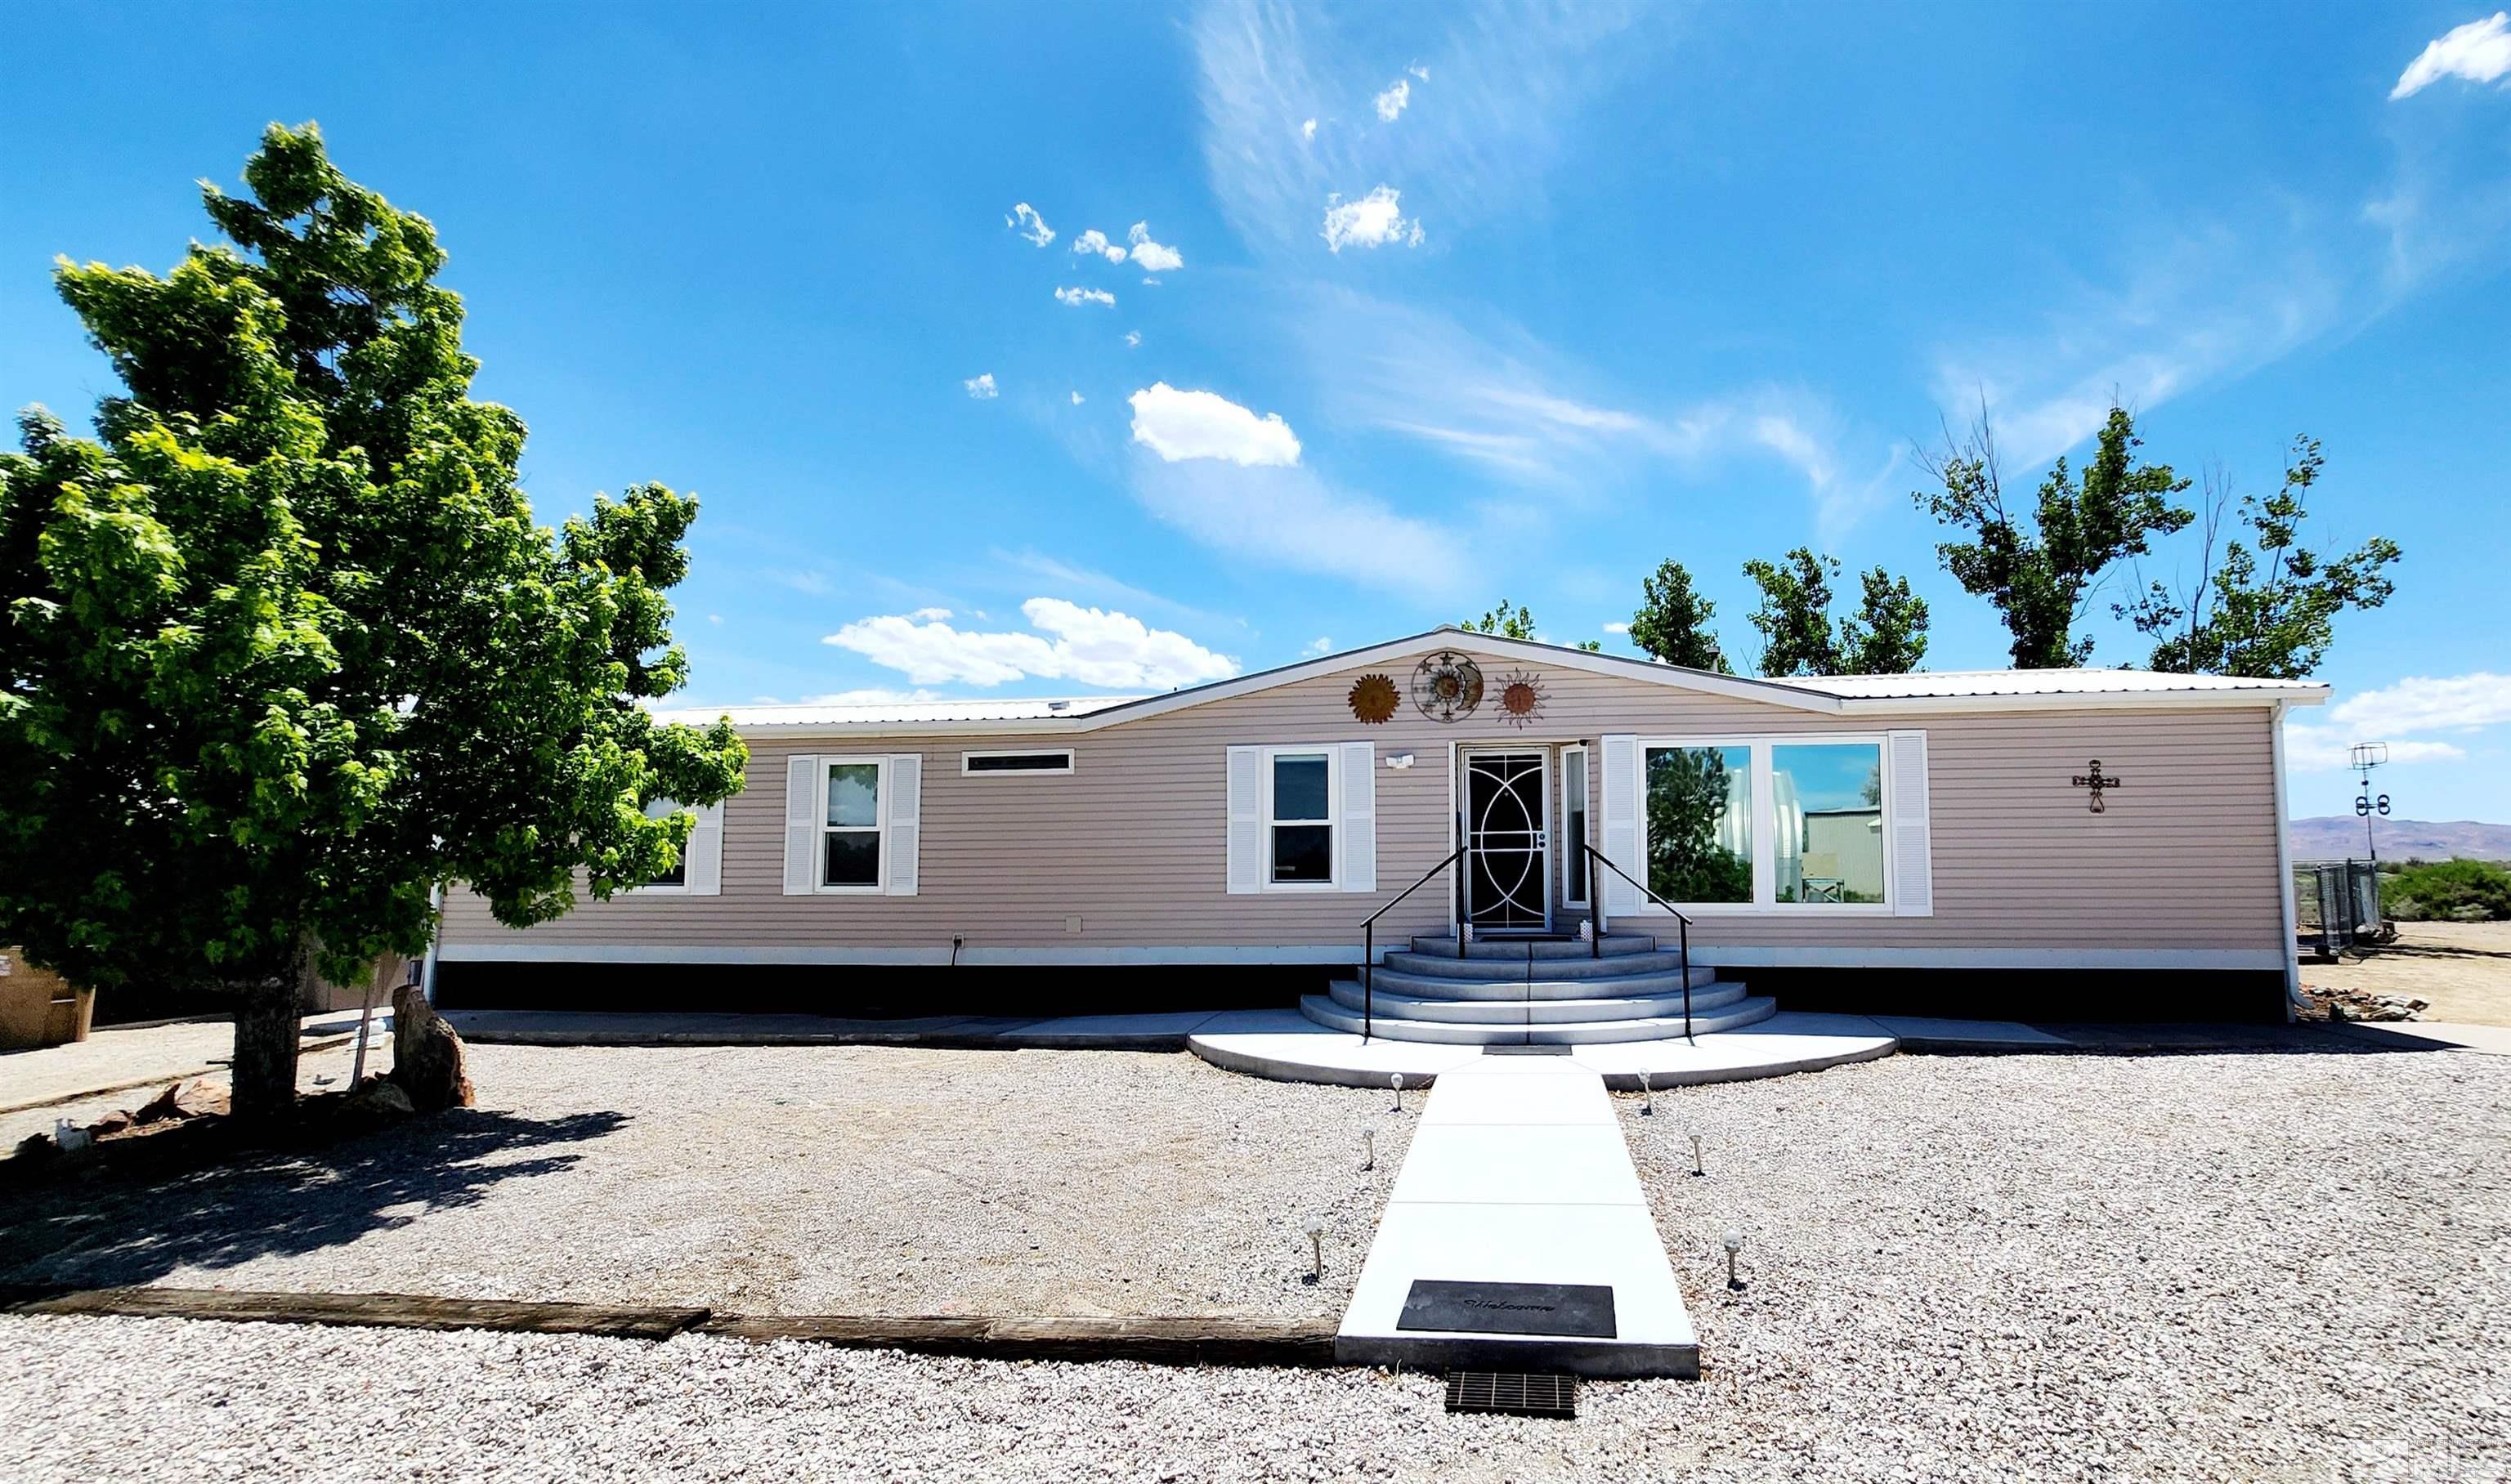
{"x": 2263, "y": 1267}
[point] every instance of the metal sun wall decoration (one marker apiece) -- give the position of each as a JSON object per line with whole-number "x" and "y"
{"x": 1447, "y": 686}
{"x": 1521, "y": 698}
{"x": 1373, "y": 699}
{"x": 2095, "y": 780}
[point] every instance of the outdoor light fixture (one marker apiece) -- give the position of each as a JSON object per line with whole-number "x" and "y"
{"x": 1398, "y": 1081}
{"x": 1647, "y": 1099}
{"x": 1368, "y": 1148}
{"x": 1317, "y": 1251}
{"x": 1400, "y": 761}
{"x": 1697, "y": 1167}
{"x": 1734, "y": 1244}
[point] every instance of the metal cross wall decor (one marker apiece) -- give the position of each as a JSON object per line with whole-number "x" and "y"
{"x": 2095, "y": 780}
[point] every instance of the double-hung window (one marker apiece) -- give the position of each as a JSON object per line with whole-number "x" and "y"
{"x": 852, "y": 856}
{"x": 1299, "y": 816}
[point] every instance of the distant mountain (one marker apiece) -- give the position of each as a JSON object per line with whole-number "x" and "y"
{"x": 2338, "y": 837}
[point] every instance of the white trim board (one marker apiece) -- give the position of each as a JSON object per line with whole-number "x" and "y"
{"x": 1010, "y": 956}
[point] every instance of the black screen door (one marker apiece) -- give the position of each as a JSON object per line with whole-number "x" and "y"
{"x": 1508, "y": 862}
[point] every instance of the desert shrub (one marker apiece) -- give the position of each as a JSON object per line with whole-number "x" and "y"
{"x": 2464, "y": 890}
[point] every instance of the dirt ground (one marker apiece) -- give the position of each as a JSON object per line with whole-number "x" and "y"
{"x": 2464, "y": 969}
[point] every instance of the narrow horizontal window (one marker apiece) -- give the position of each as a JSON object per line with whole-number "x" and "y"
{"x": 1058, "y": 761}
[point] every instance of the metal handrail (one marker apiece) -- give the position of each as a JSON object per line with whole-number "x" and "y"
{"x": 1368, "y": 943}
{"x": 1682, "y": 923}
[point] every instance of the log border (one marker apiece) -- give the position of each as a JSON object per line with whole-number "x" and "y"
{"x": 1152, "y": 1339}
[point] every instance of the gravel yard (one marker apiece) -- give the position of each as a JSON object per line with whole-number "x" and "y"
{"x": 793, "y": 1180}
{"x": 2287, "y": 1266}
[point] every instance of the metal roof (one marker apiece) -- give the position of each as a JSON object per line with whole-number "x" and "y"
{"x": 1939, "y": 691}
{"x": 894, "y": 713}
{"x": 2039, "y": 683}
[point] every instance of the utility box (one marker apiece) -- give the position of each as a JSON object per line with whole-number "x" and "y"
{"x": 38, "y": 1008}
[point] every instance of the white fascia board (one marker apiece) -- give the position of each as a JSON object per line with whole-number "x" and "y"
{"x": 934, "y": 957}
{"x": 2084, "y": 700}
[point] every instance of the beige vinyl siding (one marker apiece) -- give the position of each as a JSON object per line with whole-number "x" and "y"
{"x": 1131, "y": 842}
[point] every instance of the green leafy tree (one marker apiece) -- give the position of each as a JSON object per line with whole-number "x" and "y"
{"x": 1672, "y": 624}
{"x": 1887, "y": 634}
{"x": 2266, "y": 608}
{"x": 1516, "y": 624}
{"x": 281, "y": 648}
{"x": 2043, "y": 576}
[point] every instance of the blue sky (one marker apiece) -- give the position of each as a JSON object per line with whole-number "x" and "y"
{"x": 1448, "y": 303}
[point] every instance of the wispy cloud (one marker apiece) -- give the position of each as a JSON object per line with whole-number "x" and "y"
{"x": 1077, "y": 297}
{"x": 1320, "y": 645}
{"x": 982, "y": 387}
{"x": 1290, "y": 517}
{"x": 1513, "y": 84}
{"x": 1027, "y": 223}
{"x": 1091, "y": 646}
{"x": 2479, "y": 52}
{"x": 1391, "y": 102}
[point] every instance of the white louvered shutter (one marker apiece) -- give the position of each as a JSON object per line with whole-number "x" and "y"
{"x": 705, "y": 874}
{"x": 1359, "y": 817}
{"x": 1246, "y": 819}
{"x": 906, "y": 819}
{"x": 1913, "y": 886}
{"x": 801, "y": 827}
{"x": 1621, "y": 785}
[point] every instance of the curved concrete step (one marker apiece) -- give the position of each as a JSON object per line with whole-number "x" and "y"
{"x": 1436, "y": 966}
{"x": 1325, "y": 1011}
{"x": 1444, "y": 946}
{"x": 1599, "y": 987}
{"x": 1658, "y": 1007}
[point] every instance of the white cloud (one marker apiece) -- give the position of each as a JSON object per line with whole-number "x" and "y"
{"x": 1151, "y": 256}
{"x": 982, "y": 388}
{"x": 1091, "y": 646}
{"x": 1095, "y": 241}
{"x": 1029, "y": 224}
{"x": 1390, "y": 103}
{"x": 2429, "y": 703}
{"x": 1076, "y": 399}
{"x": 1320, "y": 645}
{"x": 2393, "y": 713}
{"x": 1617, "y": 627}
{"x": 929, "y": 614}
{"x": 1372, "y": 221}
{"x": 1423, "y": 73}
{"x": 1133, "y": 339}
{"x": 1308, "y": 130}
{"x": 714, "y": 618}
{"x": 1077, "y": 297}
{"x": 2479, "y": 52}
{"x": 1204, "y": 425}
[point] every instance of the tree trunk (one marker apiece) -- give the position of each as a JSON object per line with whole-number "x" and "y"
{"x": 266, "y": 1022}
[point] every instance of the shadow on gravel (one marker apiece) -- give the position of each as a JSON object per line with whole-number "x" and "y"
{"x": 115, "y": 1230}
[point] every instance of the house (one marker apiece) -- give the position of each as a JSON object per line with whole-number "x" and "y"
{"x": 2053, "y": 844}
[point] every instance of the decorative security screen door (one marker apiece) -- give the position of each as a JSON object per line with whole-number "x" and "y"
{"x": 1508, "y": 840}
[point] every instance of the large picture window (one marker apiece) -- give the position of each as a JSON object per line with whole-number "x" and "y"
{"x": 1829, "y": 799}
{"x": 1700, "y": 824}
{"x": 850, "y": 829}
{"x": 1299, "y": 794}
{"x": 1789, "y": 824}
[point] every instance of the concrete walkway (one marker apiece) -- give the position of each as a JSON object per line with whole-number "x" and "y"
{"x": 119, "y": 1058}
{"x": 1519, "y": 1175}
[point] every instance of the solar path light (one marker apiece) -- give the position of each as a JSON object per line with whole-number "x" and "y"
{"x": 1647, "y": 1099}
{"x": 1734, "y": 1244}
{"x": 1697, "y": 1167}
{"x": 1396, "y": 1081}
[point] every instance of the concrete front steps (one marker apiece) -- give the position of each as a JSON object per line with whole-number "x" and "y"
{"x": 1545, "y": 991}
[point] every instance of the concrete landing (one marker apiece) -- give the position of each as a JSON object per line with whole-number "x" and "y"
{"x": 1518, "y": 1174}
{"x": 1288, "y": 1047}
